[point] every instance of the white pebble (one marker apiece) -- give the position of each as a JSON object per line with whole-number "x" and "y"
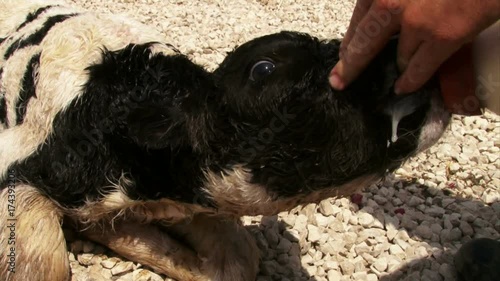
{"x": 122, "y": 267}
{"x": 366, "y": 220}
{"x": 334, "y": 275}
{"x": 396, "y": 250}
{"x": 490, "y": 196}
{"x": 435, "y": 211}
{"x": 371, "y": 277}
{"x": 380, "y": 264}
{"x": 347, "y": 267}
{"x": 466, "y": 228}
{"x": 325, "y": 207}
{"x": 314, "y": 233}
{"x": 423, "y": 231}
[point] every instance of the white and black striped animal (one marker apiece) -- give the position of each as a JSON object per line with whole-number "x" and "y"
{"x": 149, "y": 154}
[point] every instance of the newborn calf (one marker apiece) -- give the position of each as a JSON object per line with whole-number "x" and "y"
{"x": 151, "y": 155}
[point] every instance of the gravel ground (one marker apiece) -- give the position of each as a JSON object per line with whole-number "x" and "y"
{"x": 407, "y": 227}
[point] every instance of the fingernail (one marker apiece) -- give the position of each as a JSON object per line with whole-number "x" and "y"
{"x": 336, "y": 82}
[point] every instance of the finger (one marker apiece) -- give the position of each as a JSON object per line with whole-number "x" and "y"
{"x": 408, "y": 44}
{"x": 369, "y": 38}
{"x": 423, "y": 65}
{"x": 360, "y": 10}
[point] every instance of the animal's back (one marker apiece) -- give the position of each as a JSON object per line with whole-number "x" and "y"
{"x": 45, "y": 48}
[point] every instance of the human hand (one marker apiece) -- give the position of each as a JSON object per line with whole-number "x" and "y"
{"x": 430, "y": 32}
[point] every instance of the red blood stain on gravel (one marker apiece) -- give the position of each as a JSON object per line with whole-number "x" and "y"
{"x": 357, "y": 198}
{"x": 400, "y": 211}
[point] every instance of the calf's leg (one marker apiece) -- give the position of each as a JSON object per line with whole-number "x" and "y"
{"x": 148, "y": 245}
{"x": 227, "y": 250}
{"x": 32, "y": 243}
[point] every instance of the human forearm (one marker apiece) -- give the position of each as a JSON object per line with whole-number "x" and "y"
{"x": 486, "y": 60}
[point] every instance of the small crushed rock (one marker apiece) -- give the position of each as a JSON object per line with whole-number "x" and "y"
{"x": 407, "y": 227}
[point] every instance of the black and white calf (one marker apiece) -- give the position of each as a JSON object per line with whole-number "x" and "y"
{"x": 149, "y": 154}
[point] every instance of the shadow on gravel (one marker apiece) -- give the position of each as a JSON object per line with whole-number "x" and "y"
{"x": 281, "y": 251}
{"x": 425, "y": 228}
{"x": 437, "y": 222}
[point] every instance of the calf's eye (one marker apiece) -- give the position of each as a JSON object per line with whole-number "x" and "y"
{"x": 261, "y": 69}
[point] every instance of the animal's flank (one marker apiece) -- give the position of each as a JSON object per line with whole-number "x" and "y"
{"x": 28, "y": 89}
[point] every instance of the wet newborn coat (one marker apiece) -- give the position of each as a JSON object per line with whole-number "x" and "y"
{"x": 105, "y": 125}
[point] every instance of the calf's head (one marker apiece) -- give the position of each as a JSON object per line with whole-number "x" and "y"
{"x": 289, "y": 138}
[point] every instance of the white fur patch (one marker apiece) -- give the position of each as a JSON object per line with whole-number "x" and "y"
{"x": 234, "y": 194}
{"x": 117, "y": 205}
{"x": 435, "y": 124}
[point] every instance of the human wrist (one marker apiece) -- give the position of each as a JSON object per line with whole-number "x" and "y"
{"x": 494, "y": 9}
{"x": 486, "y": 47}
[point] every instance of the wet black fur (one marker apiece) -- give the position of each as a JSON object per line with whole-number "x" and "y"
{"x": 163, "y": 120}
